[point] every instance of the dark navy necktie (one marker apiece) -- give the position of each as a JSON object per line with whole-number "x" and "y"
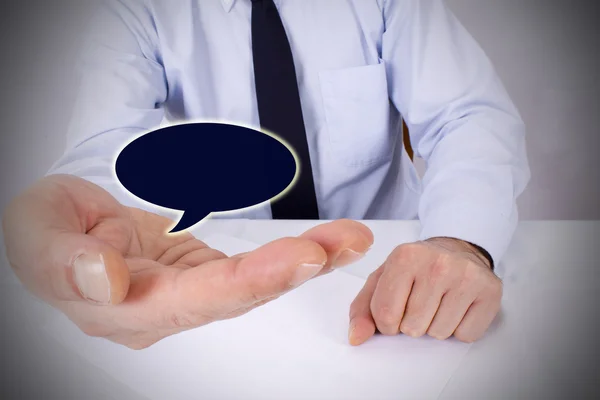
{"x": 279, "y": 106}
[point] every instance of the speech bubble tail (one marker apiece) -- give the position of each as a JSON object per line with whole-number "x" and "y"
{"x": 189, "y": 219}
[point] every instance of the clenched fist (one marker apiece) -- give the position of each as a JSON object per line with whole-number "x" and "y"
{"x": 440, "y": 287}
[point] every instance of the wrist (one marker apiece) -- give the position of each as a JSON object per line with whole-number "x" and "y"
{"x": 455, "y": 244}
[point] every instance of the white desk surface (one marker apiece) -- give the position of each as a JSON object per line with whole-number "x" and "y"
{"x": 543, "y": 345}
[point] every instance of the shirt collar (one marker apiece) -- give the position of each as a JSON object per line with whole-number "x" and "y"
{"x": 228, "y": 4}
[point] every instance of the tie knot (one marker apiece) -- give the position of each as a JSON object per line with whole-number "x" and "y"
{"x": 262, "y": 2}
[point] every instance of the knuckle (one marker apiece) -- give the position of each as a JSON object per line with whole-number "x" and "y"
{"x": 373, "y": 276}
{"x": 472, "y": 274}
{"x": 254, "y": 297}
{"x": 442, "y": 266}
{"x": 385, "y": 317}
{"x": 465, "y": 337}
{"x": 255, "y": 287}
{"x": 235, "y": 276}
{"x": 268, "y": 287}
{"x": 495, "y": 289}
{"x": 180, "y": 321}
{"x": 411, "y": 328}
{"x": 438, "y": 334}
{"x": 405, "y": 253}
{"x": 414, "y": 312}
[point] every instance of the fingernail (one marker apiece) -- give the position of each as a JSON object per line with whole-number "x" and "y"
{"x": 348, "y": 256}
{"x": 90, "y": 276}
{"x": 304, "y": 272}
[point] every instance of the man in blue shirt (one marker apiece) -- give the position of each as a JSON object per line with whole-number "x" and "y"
{"x": 81, "y": 242}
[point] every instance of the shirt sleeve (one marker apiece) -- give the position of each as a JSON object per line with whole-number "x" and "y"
{"x": 120, "y": 92}
{"x": 461, "y": 122}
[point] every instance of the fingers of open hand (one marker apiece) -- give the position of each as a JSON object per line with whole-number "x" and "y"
{"x": 270, "y": 270}
{"x": 345, "y": 241}
{"x": 224, "y": 287}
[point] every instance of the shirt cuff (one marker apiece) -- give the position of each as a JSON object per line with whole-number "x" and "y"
{"x": 481, "y": 227}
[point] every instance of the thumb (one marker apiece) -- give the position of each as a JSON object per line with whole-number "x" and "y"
{"x": 48, "y": 248}
{"x": 87, "y": 269}
{"x": 362, "y": 325}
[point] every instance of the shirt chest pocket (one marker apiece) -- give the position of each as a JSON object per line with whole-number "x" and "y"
{"x": 357, "y": 114}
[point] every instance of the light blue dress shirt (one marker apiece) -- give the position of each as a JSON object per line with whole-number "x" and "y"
{"x": 362, "y": 65}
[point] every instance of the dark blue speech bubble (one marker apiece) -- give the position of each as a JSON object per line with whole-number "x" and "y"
{"x": 201, "y": 168}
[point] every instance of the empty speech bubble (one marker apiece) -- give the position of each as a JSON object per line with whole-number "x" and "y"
{"x": 201, "y": 168}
